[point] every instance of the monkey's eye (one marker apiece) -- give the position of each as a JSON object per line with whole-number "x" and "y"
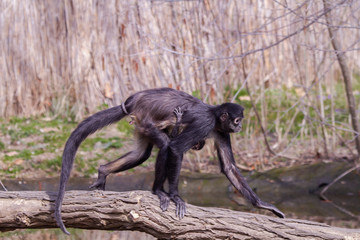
{"x": 237, "y": 120}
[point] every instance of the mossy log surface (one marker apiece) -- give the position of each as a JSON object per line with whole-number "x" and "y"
{"x": 139, "y": 210}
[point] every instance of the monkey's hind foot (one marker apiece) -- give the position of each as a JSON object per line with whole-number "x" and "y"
{"x": 164, "y": 199}
{"x": 180, "y": 206}
{"x": 272, "y": 208}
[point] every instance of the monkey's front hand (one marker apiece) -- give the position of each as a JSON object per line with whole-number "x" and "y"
{"x": 180, "y": 206}
{"x": 178, "y": 113}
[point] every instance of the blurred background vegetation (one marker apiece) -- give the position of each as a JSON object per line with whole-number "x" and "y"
{"x": 64, "y": 60}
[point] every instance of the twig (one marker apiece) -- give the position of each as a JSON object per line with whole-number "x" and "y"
{"x": 340, "y": 208}
{"x": 332, "y": 183}
{"x": 337, "y": 179}
{"x": 3, "y": 186}
{"x": 245, "y": 81}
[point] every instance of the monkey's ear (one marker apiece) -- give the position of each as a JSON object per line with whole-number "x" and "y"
{"x": 224, "y": 116}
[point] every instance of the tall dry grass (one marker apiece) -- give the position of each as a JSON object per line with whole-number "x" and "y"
{"x": 80, "y": 54}
{"x": 72, "y": 56}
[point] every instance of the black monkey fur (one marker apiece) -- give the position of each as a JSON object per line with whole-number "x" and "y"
{"x": 153, "y": 112}
{"x": 179, "y": 113}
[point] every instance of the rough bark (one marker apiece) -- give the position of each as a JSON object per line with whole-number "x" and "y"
{"x": 139, "y": 210}
{"x": 340, "y": 54}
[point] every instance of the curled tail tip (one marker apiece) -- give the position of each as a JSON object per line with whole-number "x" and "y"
{"x": 62, "y": 226}
{"x": 270, "y": 207}
{"x": 60, "y": 222}
{"x": 279, "y": 213}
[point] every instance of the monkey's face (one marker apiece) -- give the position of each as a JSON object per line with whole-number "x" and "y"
{"x": 235, "y": 124}
{"x": 230, "y": 118}
{"x": 230, "y": 124}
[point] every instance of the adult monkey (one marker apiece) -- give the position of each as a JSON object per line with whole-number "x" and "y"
{"x": 153, "y": 112}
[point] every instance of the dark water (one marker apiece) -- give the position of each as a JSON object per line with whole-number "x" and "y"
{"x": 294, "y": 191}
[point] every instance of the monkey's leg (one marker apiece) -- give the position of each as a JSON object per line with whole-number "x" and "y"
{"x": 173, "y": 172}
{"x": 127, "y": 161}
{"x": 160, "y": 178}
{"x": 161, "y": 140}
{"x": 183, "y": 142}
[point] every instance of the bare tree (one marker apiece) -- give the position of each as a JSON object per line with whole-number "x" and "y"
{"x": 340, "y": 54}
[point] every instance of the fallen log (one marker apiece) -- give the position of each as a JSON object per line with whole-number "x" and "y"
{"x": 139, "y": 210}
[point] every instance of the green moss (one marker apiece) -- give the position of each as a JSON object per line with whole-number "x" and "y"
{"x": 24, "y": 154}
{"x": 106, "y": 143}
{"x": 50, "y": 165}
{"x": 12, "y": 171}
{"x": 54, "y": 141}
{"x": 196, "y": 94}
{"x": 125, "y": 127}
{"x": 91, "y": 170}
{"x": 44, "y": 234}
{"x": 51, "y": 141}
{"x": 103, "y": 107}
{"x": 80, "y": 164}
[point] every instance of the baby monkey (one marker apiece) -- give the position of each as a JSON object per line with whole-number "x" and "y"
{"x": 148, "y": 129}
{"x": 176, "y": 130}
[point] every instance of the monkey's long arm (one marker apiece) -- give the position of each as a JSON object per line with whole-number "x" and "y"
{"x": 228, "y": 167}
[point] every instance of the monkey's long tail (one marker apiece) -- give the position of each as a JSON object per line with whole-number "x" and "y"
{"x": 84, "y": 129}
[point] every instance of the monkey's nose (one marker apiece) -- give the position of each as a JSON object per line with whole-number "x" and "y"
{"x": 238, "y": 128}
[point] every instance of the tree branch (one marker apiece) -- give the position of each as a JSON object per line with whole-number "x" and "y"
{"x": 139, "y": 210}
{"x": 346, "y": 73}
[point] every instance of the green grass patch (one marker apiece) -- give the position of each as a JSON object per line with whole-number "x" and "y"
{"x": 278, "y": 106}
{"x": 50, "y": 165}
{"x": 125, "y": 127}
{"x": 103, "y": 143}
{"x": 12, "y": 171}
{"x": 24, "y": 154}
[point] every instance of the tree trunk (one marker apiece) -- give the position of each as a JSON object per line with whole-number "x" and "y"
{"x": 139, "y": 210}
{"x": 346, "y": 75}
